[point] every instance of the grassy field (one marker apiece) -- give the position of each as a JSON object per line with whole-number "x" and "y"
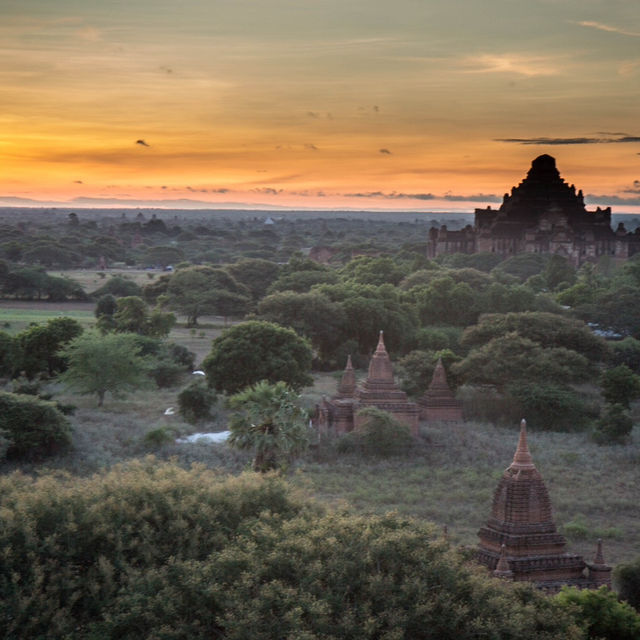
{"x": 92, "y": 279}
{"x": 15, "y": 315}
{"x": 449, "y": 478}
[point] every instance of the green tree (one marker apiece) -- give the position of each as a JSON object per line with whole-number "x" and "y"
{"x": 311, "y": 315}
{"x": 195, "y": 401}
{"x": 559, "y": 273}
{"x": 153, "y": 550}
{"x": 600, "y": 613}
{"x": 269, "y": 421}
{"x": 118, "y": 287}
{"x": 627, "y": 581}
{"x": 40, "y": 346}
{"x": 373, "y": 270}
{"x": 614, "y": 425}
{"x": 32, "y": 428}
{"x": 620, "y": 385}
{"x": 446, "y": 301}
{"x": 254, "y": 351}
{"x": 98, "y": 364}
{"x": 201, "y": 290}
{"x": 255, "y": 274}
{"x": 549, "y": 330}
{"x": 514, "y": 358}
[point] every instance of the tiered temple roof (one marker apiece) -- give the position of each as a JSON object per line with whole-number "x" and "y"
{"x": 543, "y": 214}
{"x": 520, "y": 540}
{"x": 438, "y": 402}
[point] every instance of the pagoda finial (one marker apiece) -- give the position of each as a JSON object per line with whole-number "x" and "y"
{"x": 381, "y": 348}
{"x": 599, "y": 557}
{"x": 522, "y": 458}
{"x": 347, "y": 384}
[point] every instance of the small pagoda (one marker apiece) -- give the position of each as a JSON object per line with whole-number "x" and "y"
{"x": 378, "y": 390}
{"x": 520, "y": 541}
{"x": 438, "y": 403}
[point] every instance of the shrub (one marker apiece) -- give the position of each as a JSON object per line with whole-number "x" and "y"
{"x": 620, "y": 385}
{"x": 196, "y": 401}
{"x": 34, "y": 428}
{"x": 600, "y": 614}
{"x": 552, "y": 407}
{"x": 627, "y": 579}
{"x": 614, "y": 426}
{"x": 381, "y": 434}
{"x": 151, "y": 550}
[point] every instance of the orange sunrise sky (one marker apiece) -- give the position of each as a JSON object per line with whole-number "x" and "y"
{"x": 363, "y": 104}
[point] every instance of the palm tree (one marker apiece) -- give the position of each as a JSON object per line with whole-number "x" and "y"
{"x": 269, "y": 421}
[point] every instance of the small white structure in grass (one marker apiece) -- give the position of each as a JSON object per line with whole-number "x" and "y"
{"x": 205, "y": 438}
{"x": 169, "y": 411}
{"x": 198, "y": 373}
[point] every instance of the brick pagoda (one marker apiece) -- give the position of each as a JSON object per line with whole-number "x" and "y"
{"x": 378, "y": 390}
{"x": 438, "y": 403}
{"x": 520, "y": 541}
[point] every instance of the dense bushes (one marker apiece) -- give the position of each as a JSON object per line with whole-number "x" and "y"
{"x": 196, "y": 401}
{"x": 380, "y": 434}
{"x": 32, "y": 428}
{"x": 155, "y": 551}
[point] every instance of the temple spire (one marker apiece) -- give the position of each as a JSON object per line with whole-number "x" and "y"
{"x": 380, "y": 368}
{"x": 522, "y": 458}
{"x": 347, "y": 385}
{"x": 599, "y": 557}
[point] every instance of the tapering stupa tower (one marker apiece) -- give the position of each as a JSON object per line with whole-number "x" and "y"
{"x": 438, "y": 403}
{"x": 520, "y": 539}
{"x": 380, "y": 390}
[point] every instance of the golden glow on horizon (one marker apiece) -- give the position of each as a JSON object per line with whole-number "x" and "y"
{"x": 324, "y": 105}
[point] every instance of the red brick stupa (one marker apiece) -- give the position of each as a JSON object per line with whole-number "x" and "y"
{"x": 438, "y": 403}
{"x": 378, "y": 390}
{"x": 520, "y": 541}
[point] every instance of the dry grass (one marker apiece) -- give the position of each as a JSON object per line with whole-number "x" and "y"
{"x": 451, "y": 477}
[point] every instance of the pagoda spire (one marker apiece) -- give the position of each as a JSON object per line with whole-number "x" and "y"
{"x": 522, "y": 458}
{"x": 381, "y": 348}
{"x": 380, "y": 368}
{"x": 599, "y": 557}
{"x": 347, "y": 386}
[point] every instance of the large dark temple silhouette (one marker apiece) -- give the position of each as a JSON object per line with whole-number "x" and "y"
{"x": 543, "y": 214}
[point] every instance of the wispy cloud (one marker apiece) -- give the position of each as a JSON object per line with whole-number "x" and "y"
{"x": 450, "y": 197}
{"x": 607, "y": 27}
{"x": 612, "y": 200}
{"x": 579, "y": 140}
{"x": 512, "y": 63}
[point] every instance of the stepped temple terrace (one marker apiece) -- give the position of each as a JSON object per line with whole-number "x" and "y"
{"x": 379, "y": 390}
{"x": 543, "y": 214}
{"x": 520, "y": 541}
{"x": 438, "y": 403}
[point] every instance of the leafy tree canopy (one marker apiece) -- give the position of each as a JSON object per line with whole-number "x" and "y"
{"x": 252, "y": 351}
{"x": 98, "y": 364}
{"x": 201, "y": 290}
{"x": 546, "y": 329}
{"x": 199, "y": 555}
